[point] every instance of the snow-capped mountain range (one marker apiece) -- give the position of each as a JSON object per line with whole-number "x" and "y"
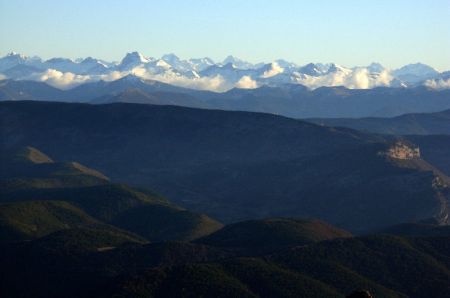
{"x": 204, "y": 73}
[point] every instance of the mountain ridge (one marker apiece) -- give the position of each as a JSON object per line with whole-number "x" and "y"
{"x": 202, "y": 159}
{"x": 291, "y": 100}
{"x": 204, "y": 73}
{"x": 38, "y": 198}
{"x": 408, "y": 124}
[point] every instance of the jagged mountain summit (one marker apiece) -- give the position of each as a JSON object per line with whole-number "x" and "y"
{"x": 204, "y": 73}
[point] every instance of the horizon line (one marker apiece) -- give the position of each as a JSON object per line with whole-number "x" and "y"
{"x": 215, "y": 60}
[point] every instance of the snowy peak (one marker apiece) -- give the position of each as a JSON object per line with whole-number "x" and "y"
{"x": 171, "y": 58}
{"x": 92, "y": 66}
{"x": 271, "y": 69}
{"x": 310, "y": 69}
{"x": 215, "y": 69}
{"x": 162, "y": 63}
{"x": 177, "y": 64}
{"x": 15, "y": 55}
{"x": 286, "y": 64}
{"x": 416, "y": 73}
{"x": 238, "y": 63}
{"x": 337, "y": 68}
{"x": 200, "y": 64}
{"x": 205, "y": 60}
{"x": 416, "y": 69}
{"x": 12, "y": 59}
{"x": 59, "y": 61}
{"x": 92, "y": 61}
{"x": 229, "y": 66}
{"x": 204, "y": 73}
{"x": 375, "y": 67}
{"x": 132, "y": 60}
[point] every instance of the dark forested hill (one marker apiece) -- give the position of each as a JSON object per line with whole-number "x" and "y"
{"x": 431, "y": 132}
{"x": 237, "y": 165}
{"x": 409, "y": 124}
{"x": 436, "y": 149}
{"x": 40, "y": 196}
{"x": 386, "y": 266}
{"x": 67, "y": 231}
{"x": 271, "y": 234}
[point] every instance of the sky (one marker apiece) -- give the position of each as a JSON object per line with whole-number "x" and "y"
{"x": 347, "y": 32}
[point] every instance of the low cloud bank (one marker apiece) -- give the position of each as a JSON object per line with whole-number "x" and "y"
{"x": 58, "y": 79}
{"x": 246, "y": 82}
{"x": 216, "y": 83}
{"x": 68, "y": 80}
{"x": 273, "y": 71}
{"x": 438, "y": 84}
{"x": 356, "y": 79}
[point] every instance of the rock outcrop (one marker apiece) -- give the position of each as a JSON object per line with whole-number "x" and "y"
{"x": 403, "y": 150}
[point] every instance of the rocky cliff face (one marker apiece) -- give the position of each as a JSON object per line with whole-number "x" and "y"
{"x": 402, "y": 150}
{"x": 407, "y": 155}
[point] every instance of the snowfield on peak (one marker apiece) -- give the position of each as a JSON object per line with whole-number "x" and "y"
{"x": 205, "y": 74}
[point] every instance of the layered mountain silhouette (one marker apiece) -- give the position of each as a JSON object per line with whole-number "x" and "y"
{"x": 69, "y": 263}
{"x": 234, "y": 166}
{"x": 435, "y": 148}
{"x": 111, "y": 198}
{"x": 204, "y": 73}
{"x": 430, "y": 131}
{"x": 291, "y": 100}
{"x": 67, "y": 230}
{"x": 408, "y": 124}
{"x": 271, "y": 234}
{"x": 382, "y": 264}
{"x": 40, "y": 196}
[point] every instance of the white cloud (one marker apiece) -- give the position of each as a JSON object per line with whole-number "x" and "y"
{"x": 384, "y": 79}
{"x": 246, "y": 82}
{"x": 62, "y": 80}
{"x": 216, "y": 83}
{"x": 113, "y": 75}
{"x": 438, "y": 84}
{"x": 140, "y": 72}
{"x": 357, "y": 79}
{"x": 3, "y": 77}
{"x": 67, "y": 80}
{"x": 273, "y": 71}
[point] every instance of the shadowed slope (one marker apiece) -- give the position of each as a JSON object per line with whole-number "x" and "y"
{"x": 274, "y": 233}
{"x": 409, "y": 124}
{"x": 234, "y": 165}
{"x": 86, "y": 192}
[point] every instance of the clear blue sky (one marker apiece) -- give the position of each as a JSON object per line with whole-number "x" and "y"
{"x": 348, "y": 32}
